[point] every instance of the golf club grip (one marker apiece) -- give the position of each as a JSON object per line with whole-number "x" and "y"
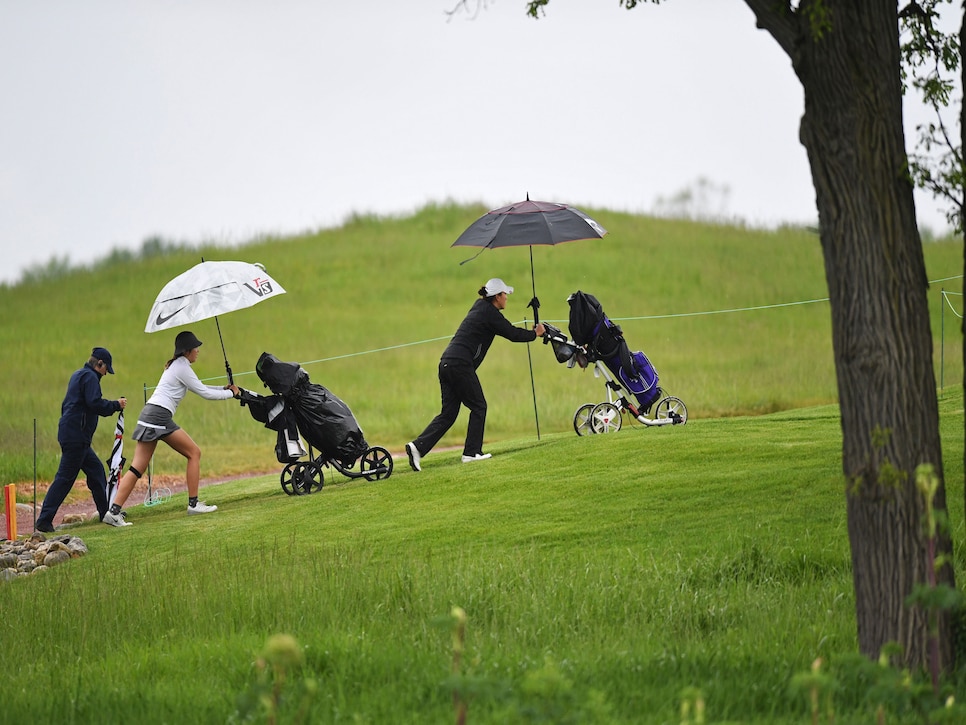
{"x": 535, "y": 304}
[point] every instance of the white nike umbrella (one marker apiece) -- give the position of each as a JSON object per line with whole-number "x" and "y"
{"x": 210, "y": 289}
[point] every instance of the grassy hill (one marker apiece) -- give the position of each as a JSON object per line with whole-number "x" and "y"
{"x": 734, "y": 320}
{"x": 606, "y": 579}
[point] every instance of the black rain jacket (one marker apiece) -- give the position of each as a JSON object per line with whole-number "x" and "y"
{"x": 476, "y": 332}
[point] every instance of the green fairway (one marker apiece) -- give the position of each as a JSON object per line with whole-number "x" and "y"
{"x": 624, "y": 567}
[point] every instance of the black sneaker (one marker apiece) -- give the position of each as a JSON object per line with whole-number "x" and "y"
{"x": 44, "y": 528}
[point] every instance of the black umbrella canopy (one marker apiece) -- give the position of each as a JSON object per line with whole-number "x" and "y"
{"x": 527, "y": 223}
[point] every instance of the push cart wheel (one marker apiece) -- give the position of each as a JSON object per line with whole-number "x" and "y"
{"x": 310, "y": 478}
{"x": 288, "y": 479}
{"x": 671, "y": 407}
{"x": 378, "y": 460}
{"x": 298, "y": 474}
{"x": 582, "y": 420}
{"x": 605, "y": 418}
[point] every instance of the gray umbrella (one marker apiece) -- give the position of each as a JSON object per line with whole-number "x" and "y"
{"x": 527, "y": 223}
{"x": 530, "y": 222}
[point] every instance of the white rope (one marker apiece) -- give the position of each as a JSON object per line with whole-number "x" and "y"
{"x": 950, "y": 304}
{"x": 525, "y": 321}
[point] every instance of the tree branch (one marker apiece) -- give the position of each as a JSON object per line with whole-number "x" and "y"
{"x": 465, "y": 6}
{"x": 778, "y": 18}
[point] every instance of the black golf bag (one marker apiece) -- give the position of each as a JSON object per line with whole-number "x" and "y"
{"x": 299, "y": 406}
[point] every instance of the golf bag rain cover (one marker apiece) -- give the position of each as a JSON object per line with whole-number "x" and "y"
{"x": 605, "y": 341}
{"x": 273, "y": 411}
{"x": 322, "y": 418}
{"x": 586, "y": 315}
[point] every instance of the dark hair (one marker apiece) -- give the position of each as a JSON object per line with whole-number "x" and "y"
{"x": 181, "y": 353}
{"x": 482, "y": 293}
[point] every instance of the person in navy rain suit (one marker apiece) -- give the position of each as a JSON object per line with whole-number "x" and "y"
{"x": 79, "y": 413}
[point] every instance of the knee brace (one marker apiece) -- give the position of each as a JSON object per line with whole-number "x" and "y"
{"x": 136, "y": 472}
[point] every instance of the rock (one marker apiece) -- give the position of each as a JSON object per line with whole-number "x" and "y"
{"x": 76, "y": 547}
{"x": 56, "y": 557}
{"x": 37, "y": 553}
{"x": 8, "y": 574}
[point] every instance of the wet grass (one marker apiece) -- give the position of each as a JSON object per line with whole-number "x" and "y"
{"x": 602, "y": 578}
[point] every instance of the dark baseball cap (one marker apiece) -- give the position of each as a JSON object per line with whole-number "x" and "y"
{"x": 101, "y": 353}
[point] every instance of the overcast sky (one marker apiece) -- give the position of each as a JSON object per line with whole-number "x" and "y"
{"x": 224, "y": 119}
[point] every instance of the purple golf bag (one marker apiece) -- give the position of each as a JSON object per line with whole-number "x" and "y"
{"x": 604, "y": 341}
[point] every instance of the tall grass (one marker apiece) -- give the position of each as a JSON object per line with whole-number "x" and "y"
{"x": 603, "y": 577}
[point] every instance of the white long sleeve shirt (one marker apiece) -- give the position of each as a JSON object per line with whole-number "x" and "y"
{"x": 177, "y": 380}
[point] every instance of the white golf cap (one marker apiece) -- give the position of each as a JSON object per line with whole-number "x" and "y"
{"x": 495, "y": 286}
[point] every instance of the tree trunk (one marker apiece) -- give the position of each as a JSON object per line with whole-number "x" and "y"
{"x": 962, "y": 210}
{"x": 852, "y": 131}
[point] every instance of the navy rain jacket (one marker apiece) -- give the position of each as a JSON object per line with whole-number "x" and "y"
{"x": 81, "y": 407}
{"x": 475, "y": 334}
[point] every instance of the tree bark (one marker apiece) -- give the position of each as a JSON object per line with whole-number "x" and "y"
{"x": 852, "y": 130}
{"x": 962, "y": 211}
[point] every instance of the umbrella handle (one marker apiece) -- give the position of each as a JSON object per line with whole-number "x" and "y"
{"x": 535, "y": 304}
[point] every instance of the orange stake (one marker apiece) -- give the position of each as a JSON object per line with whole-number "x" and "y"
{"x": 10, "y": 508}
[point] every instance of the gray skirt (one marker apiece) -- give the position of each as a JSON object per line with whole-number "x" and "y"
{"x": 154, "y": 423}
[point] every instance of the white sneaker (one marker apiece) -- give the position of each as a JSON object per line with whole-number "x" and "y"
{"x": 118, "y": 519}
{"x": 477, "y": 457}
{"x": 414, "y": 457}
{"x": 201, "y": 508}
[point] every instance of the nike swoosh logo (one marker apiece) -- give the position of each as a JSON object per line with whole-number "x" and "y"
{"x": 164, "y": 318}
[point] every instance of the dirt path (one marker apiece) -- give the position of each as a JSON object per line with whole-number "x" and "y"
{"x": 80, "y": 503}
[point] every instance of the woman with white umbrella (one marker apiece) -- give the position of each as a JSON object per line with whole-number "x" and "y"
{"x": 156, "y": 423}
